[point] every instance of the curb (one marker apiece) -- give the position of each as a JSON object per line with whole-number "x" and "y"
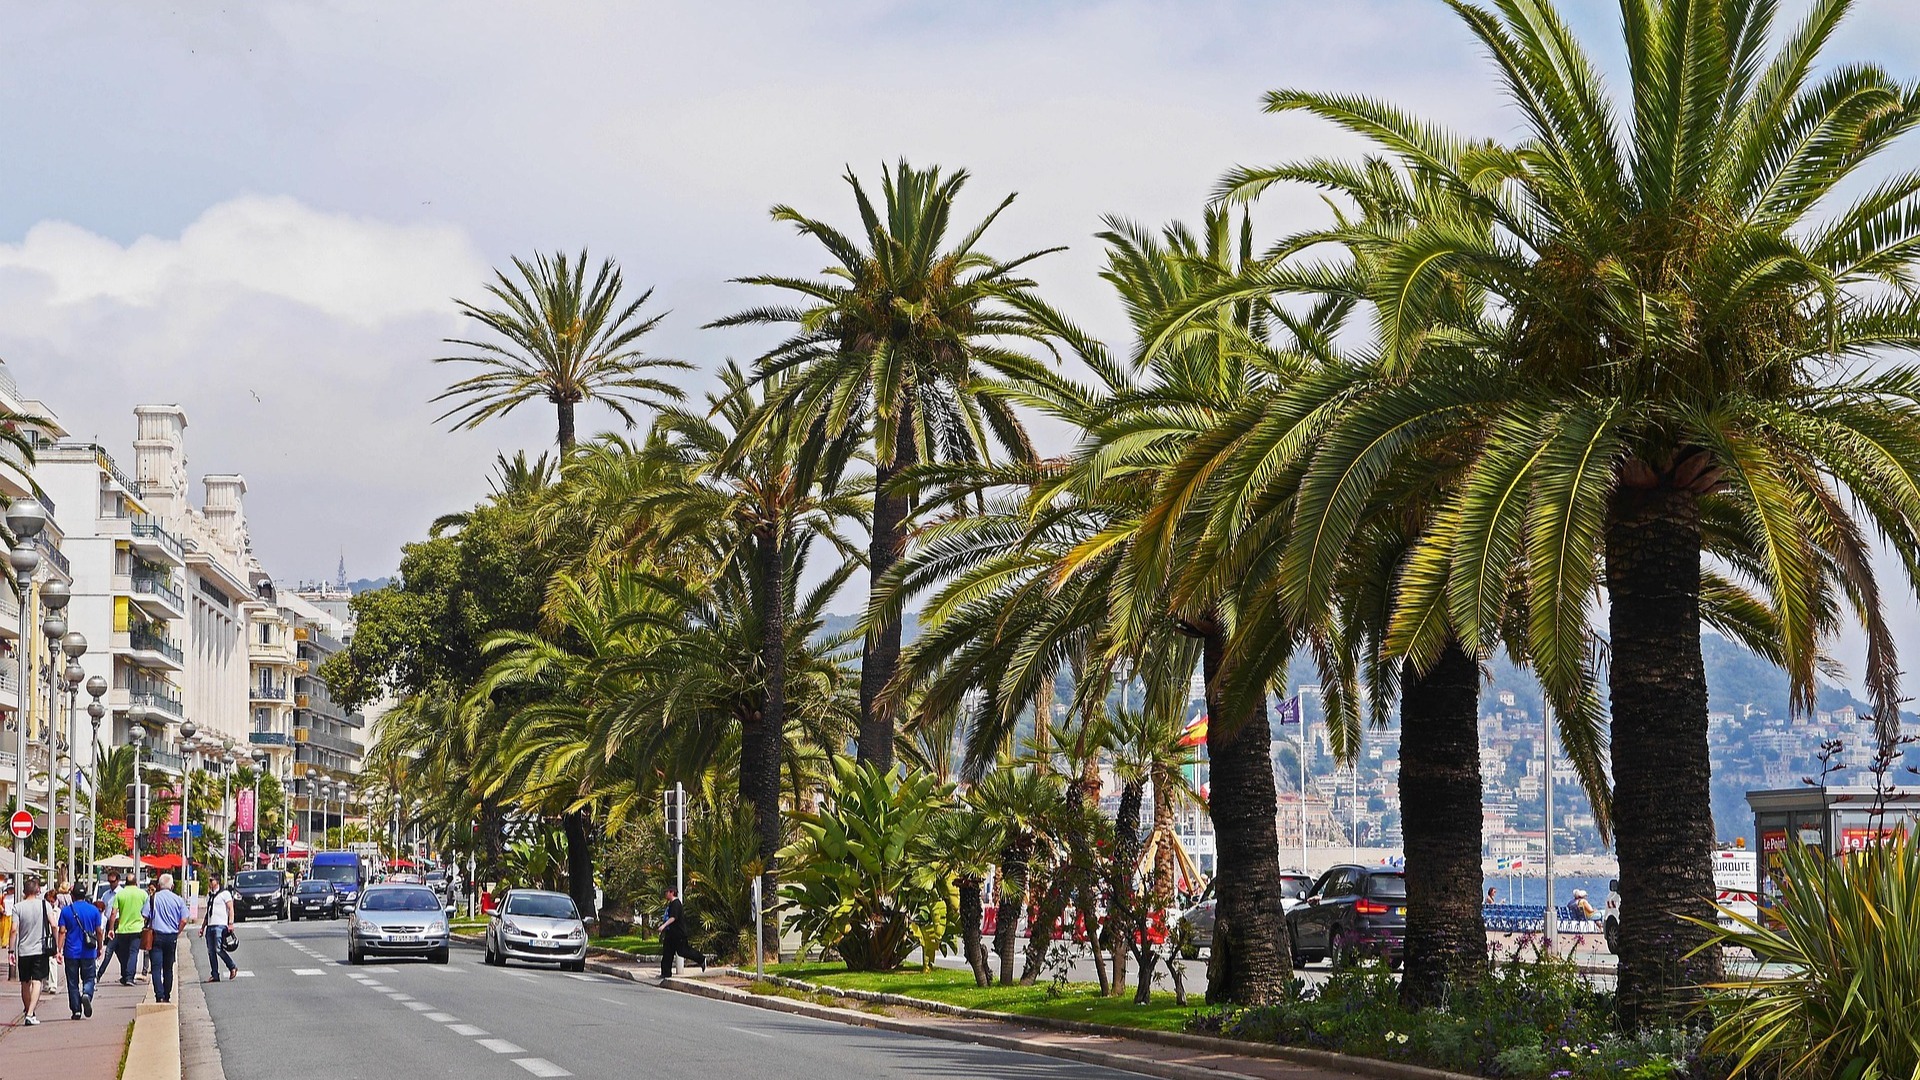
{"x": 153, "y": 1051}
{"x": 1361, "y": 1066}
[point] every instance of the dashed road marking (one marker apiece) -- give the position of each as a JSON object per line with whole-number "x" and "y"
{"x": 441, "y": 1018}
{"x": 468, "y": 1030}
{"x": 501, "y": 1046}
{"x": 417, "y": 1006}
{"x": 308, "y": 971}
{"x": 582, "y": 978}
{"x": 541, "y": 1067}
{"x": 748, "y": 1031}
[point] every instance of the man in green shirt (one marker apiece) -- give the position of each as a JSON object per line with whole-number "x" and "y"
{"x": 125, "y": 923}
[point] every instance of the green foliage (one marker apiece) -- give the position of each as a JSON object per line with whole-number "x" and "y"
{"x": 861, "y": 878}
{"x": 723, "y": 858}
{"x": 1844, "y": 932}
{"x": 1536, "y": 1019}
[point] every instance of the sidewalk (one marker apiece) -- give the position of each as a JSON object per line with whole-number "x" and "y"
{"x": 69, "y": 1049}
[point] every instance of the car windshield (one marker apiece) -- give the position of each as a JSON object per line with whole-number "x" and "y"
{"x": 338, "y": 872}
{"x": 399, "y": 900}
{"x": 1295, "y": 888}
{"x": 258, "y": 879}
{"x": 541, "y": 907}
{"x": 435, "y": 877}
{"x": 1388, "y": 886}
{"x": 316, "y": 887}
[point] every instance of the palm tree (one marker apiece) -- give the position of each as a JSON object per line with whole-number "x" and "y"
{"x": 1019, "y": 804}
{"x": 559, "y": 338}
{"x": 901, "y": 342}
{"x": 1679, "y": 311}
{"x": 1147, "y": 754}
{"x": 968, "y": 844}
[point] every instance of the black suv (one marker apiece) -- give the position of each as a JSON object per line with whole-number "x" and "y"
{"x": 315, "y": 899}
{"x": 260, "y": 892}
{"x": 1352, "y": 911}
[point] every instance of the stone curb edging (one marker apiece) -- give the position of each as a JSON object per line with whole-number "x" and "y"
{"x": 1347, "y": 1063}
{"x": 153, "y": 1051}
{"x": 1164, "y": 1070}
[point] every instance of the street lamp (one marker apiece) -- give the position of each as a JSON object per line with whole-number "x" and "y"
{"x": 74, "y": 645}
{"x": 54, "y": 596}
{"x": 187, "y": 747}
{"x": 227, "y": 760}
{"x": 136, "y": 738}
{"x": 96, "y": 689}
{"x": 25, "y": 519}
{"x": 259, "y": 766}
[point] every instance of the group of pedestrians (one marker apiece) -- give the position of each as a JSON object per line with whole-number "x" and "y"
{"x": 138, "y": 926}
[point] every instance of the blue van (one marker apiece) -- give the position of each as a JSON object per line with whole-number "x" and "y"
{"x": 347, "y": 870}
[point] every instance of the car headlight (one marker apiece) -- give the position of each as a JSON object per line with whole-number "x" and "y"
{"x": 572, "y": 935}
{"x": 512, "y": 927}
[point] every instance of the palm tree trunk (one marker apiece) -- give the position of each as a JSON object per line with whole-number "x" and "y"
{"x": 1249, "y": 966}
{"x": 1662, "y": 806}
{"x": 880, "y": 656}
{"x": 764, "y": 737}
{"x": 1440, "y": 812}
{"x": 1126, "y": 908}
{"x": 579, "y": 859}
{"x": 1013, "y": 892}
{"x": 565, "y": 410}
{"x": 970, "y": 911}
{"x": 1162, "y": 834}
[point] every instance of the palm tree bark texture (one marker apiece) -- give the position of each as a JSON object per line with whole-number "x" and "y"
{"x": 880, "y": 656}
{"x": 763, "y": 736}
{"x": 1249, "y": 965}
{"x": 1440, "y": 798}
{"x": 970, "y": 912}
{"x": 1661, "y": 764}
{"x": 1013, "y": 893}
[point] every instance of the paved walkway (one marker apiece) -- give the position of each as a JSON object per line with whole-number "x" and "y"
{"x": 64, "y": 1048}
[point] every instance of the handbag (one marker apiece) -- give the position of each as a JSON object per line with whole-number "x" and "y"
{"x": 229, "y": 941}
{"x": 146, "y": 939}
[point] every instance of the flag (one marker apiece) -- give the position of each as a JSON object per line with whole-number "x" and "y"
{"x": 1288, "y": 711}
{"x": 1196, "y": 732}
{"x": 1518, "y": 862}
{"x": 243, "y": 811}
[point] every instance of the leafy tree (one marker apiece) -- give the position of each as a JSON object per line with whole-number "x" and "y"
{"x": 554, "y": 336}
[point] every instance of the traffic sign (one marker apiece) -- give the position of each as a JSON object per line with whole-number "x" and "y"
{"x": 194, "y": 830}
{"x": 21, "y": 824}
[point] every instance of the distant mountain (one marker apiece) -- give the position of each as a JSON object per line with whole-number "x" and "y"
{"x": 368, "y": 584}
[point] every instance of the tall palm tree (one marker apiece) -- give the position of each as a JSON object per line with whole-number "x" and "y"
{"x": 1680, "y": 317}
{"x": 901, "y": 341}
{"x": 558, "y": 337}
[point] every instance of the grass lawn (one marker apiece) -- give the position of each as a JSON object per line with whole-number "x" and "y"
{"x": 1076, "y": 1001}
{"x": 633, "y": 943}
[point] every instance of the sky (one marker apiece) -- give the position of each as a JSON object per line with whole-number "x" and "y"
{"x": 263, "y": 211}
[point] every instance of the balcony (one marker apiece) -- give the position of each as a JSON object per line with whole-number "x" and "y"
{"x": 153, "y": 592}
{"x": 159, "y": 701}
{"x": 153, "y": 541}
{"x": 154, "y": 651}
{"x": 51, "y": 552}
{"x": 264, "y": 692}
{"x": 165, "y": 760}
{"x": 324, "y": 741}
{"x": 269, "y": 738}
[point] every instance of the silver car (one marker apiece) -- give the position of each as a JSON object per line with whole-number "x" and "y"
{"x": 398, "y": 920}
{"x": 1198, "y": 919}
{"x": 534, "y": 925}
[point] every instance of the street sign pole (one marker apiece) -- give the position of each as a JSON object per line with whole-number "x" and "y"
{"x": 678, "y": 823}
{"x": 759, "y": 929}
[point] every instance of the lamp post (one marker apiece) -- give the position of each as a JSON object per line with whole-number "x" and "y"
{"x": 25, "y": 519}
{"x": 96, "y": 689}
{"x": 136, "y": 799}
{"x": 54, "y": 596}
{"x": 187, "y": 748}
{"x": 227, "y": 760}
{"x": 74, "y": 645}
{"x": 259, "y": 766}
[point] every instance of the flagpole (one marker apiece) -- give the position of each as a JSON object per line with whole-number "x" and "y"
{"x": 1300, "y": 710}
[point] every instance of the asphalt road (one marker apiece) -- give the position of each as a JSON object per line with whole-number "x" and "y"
{"x": 302, "y": 1013}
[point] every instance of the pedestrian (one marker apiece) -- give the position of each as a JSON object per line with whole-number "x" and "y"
{"x": 125, "y": 923}
{"x": 6, "y": 926}
{"x": 219, "y": 918}
{"x": 166, "y": 913}
{"x": 36, "y": 938}
{"x": 673, "y": 937}
{"x": 1582, "y": 908}
{"x": 83, "y": 930}
{"x": 1491, "y": 894}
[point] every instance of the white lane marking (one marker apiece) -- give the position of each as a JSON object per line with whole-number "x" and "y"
{"x": 501, "y": 1046}
{"x": 541, "y": 1067}
{"x": 582, "y": 978}
{"x": 465, "y": 1029}
{"x": 441, "y": 1018}
{"x": 308, "y": 971}
{"x": 530, "y": 978}
{"x": 398, "y": 995}
{"x": 446, "y": 968}
{"x": 417, "y": 1006}
{"x": 373, "y": 985}
{"x": 611, "y": 1001}
{"x": 745, "y": 1031}
{"x": 383, "y": 970}
{"x": 243, "y": 974}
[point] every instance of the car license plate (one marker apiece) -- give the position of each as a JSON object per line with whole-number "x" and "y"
{"x": 405, "y": 937}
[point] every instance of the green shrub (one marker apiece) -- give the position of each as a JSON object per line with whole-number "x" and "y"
{"x": 1848, "y": 1005}
{"x": 860, "y": 879}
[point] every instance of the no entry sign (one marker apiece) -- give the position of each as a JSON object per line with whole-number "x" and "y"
{"x": 21, "y": 824}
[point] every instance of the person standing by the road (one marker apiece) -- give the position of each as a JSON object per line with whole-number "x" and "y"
{"x": 36, "y": 938}
{"x": 82, "y": 929}
{"x": 673, "y": 938}
{"x": 219, "y": 918}
{"x": 125, "y": 922}
{"x": 166, "y": 913}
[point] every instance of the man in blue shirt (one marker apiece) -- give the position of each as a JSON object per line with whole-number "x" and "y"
{"x": 82, "y": 928}
{"x": 165, "y": 913}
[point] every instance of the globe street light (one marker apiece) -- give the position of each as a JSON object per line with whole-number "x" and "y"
{"x": 24, "y": 518}
{"x": 136, "y": 799}
{"x": 187, "y": 745}
{"x": 259, "y": 766}
{"x": 53, "y": 625}
{"x": 74, "y": 645}
{"x": 96, "y": 689}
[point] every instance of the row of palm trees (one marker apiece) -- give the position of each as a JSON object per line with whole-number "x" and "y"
{"x": 1573, "y": 396}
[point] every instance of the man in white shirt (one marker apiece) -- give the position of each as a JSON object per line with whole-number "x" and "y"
{"x": 219, "y": 918}
{"x": 36, "y": 941}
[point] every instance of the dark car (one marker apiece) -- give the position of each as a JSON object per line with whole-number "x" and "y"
{"x": 260, "y": 892}
{"x": 1352, "y": 911}
{"x": 315, "y": 899}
